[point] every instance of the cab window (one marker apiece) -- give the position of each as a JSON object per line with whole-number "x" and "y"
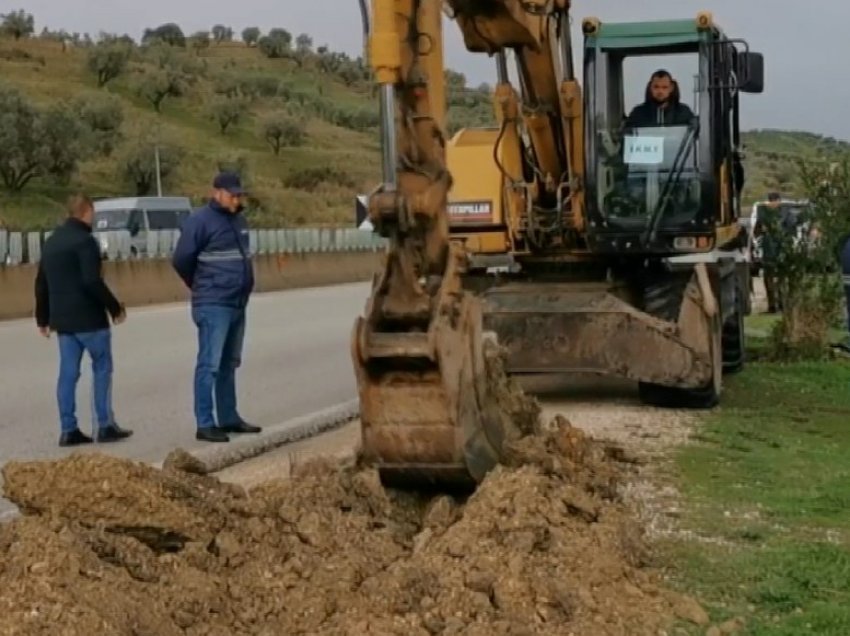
{"x": 165, "y": 219}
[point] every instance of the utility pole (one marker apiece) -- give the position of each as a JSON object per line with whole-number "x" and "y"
{"x": 158, "y": 175}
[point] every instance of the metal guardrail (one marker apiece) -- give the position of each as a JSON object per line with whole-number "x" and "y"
{"x": 18, "y": 248}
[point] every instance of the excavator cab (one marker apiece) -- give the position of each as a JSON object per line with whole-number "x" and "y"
{"x": 658, "y": 179}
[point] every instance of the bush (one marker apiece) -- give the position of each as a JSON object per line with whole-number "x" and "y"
{"x": 360, "y": 120}
{"x": 310, "y": 179}
{"x": 103, "y": 115}
{"x": 808, "y": 270}
{"x": 260, "y": 85}
{"x": 19, "y": 55}
{"x": 36, "y": 143}
{"x": 137, "y": 164}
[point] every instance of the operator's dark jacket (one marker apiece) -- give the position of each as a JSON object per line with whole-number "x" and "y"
{"x": 650, "y": 114}
{"x": 213, "y": 257}
{"x": 70, "y": 293}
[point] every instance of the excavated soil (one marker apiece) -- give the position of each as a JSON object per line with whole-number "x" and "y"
{"x": 544, "y": 546}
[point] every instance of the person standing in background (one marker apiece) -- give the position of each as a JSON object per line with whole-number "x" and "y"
{"x": 73, "y": 300}
{"x": 213, "y": 259}
{"x": 771, "y": 224}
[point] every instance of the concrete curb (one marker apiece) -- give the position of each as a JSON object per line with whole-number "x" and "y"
{"x": 220, "y": 456}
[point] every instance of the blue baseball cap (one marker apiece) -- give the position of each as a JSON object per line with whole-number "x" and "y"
{"x": 229, "y": 181}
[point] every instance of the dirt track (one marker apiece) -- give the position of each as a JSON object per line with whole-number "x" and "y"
{"x": 548, "y": 544}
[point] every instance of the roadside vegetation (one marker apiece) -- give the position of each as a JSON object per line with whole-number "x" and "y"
{"x": 766, "y": 487}
{"x": 765, "y": 538}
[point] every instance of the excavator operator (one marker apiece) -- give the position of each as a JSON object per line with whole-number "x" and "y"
{"x": 662, "y": 105}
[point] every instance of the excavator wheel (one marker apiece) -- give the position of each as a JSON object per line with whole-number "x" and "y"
{"x": 734, "y": 354}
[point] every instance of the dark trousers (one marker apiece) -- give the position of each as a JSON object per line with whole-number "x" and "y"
{"x": 771, "y": 287}
{"x": 847, "y": 298}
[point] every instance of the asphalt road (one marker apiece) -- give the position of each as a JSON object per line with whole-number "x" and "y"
{"x": 297, "y": 360}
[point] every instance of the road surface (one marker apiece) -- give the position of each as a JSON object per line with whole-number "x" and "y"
{"x": 297, "y": 360}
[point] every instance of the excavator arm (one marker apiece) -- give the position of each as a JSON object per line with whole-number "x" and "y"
{"x": 429, "y": 384}
{"x": 544, "y": 168}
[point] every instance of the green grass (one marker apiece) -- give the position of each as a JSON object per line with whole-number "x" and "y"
{"x": 767, "y": 486}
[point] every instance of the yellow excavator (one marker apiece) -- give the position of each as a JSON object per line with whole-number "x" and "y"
{"x": 587, "y": 240}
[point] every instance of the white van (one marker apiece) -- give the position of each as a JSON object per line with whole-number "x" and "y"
{"x": 130, "y": 219}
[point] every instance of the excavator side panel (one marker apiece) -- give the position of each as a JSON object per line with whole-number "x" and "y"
{"x": 476, "y": 214}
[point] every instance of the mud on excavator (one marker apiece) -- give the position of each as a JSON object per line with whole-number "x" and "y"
{"x": 583, "y": 241}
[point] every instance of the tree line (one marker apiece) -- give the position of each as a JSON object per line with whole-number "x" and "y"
{"x": 167, "y": 65}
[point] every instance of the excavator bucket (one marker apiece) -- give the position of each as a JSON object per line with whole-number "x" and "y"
{"x": 432, "y": 402}
{"x": 587, "y": 328}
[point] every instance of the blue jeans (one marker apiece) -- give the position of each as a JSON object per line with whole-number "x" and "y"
{"x": 221, "y": 332}
{"x": 71, "y": 349}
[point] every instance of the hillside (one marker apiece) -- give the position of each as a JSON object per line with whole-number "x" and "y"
{"x": 209, "y": 101}
{"x": 771, "y": 159}
{"x": 332, "y": 161}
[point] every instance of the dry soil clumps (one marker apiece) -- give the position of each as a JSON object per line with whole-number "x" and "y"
{"x": 544, "y": 546}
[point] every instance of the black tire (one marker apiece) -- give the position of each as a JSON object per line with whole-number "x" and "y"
{"x": 668, "y": 397}
{"x": 734, "y": 345}
{"x": 662, "y": 298}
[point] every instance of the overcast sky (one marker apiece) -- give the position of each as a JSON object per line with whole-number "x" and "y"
{"x": 805, "y": 44}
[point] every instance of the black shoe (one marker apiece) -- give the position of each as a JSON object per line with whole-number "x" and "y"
{"x": 112, "y": 433}
{"x": 241, "y": 427}
{"x": 212, "y": 434}
{"x": 74, "y": 438}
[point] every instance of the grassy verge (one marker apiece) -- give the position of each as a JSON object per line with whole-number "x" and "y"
{"x": 767, "y": 486}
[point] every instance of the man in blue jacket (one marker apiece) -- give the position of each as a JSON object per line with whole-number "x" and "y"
{"x": 213, "y": 258}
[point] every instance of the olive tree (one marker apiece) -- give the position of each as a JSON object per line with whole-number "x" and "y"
{"x": 19, "y": 24}
{"x": 137, "y": 163}
{"x": 36, "y": 143}
{"x": 102, "y": 116}
{"x": 281, "y": 130}
{"x": 108, "y": 59}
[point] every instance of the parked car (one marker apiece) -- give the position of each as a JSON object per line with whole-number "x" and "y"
{"x": 131, "y": 219}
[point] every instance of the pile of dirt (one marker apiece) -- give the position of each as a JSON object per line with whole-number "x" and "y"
{"x": 544, "y": 546}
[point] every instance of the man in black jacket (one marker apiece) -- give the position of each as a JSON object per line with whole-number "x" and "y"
{"x": 72, "y": 299}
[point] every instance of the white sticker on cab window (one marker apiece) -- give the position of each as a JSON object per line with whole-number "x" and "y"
{"x": 644, "y": 151}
